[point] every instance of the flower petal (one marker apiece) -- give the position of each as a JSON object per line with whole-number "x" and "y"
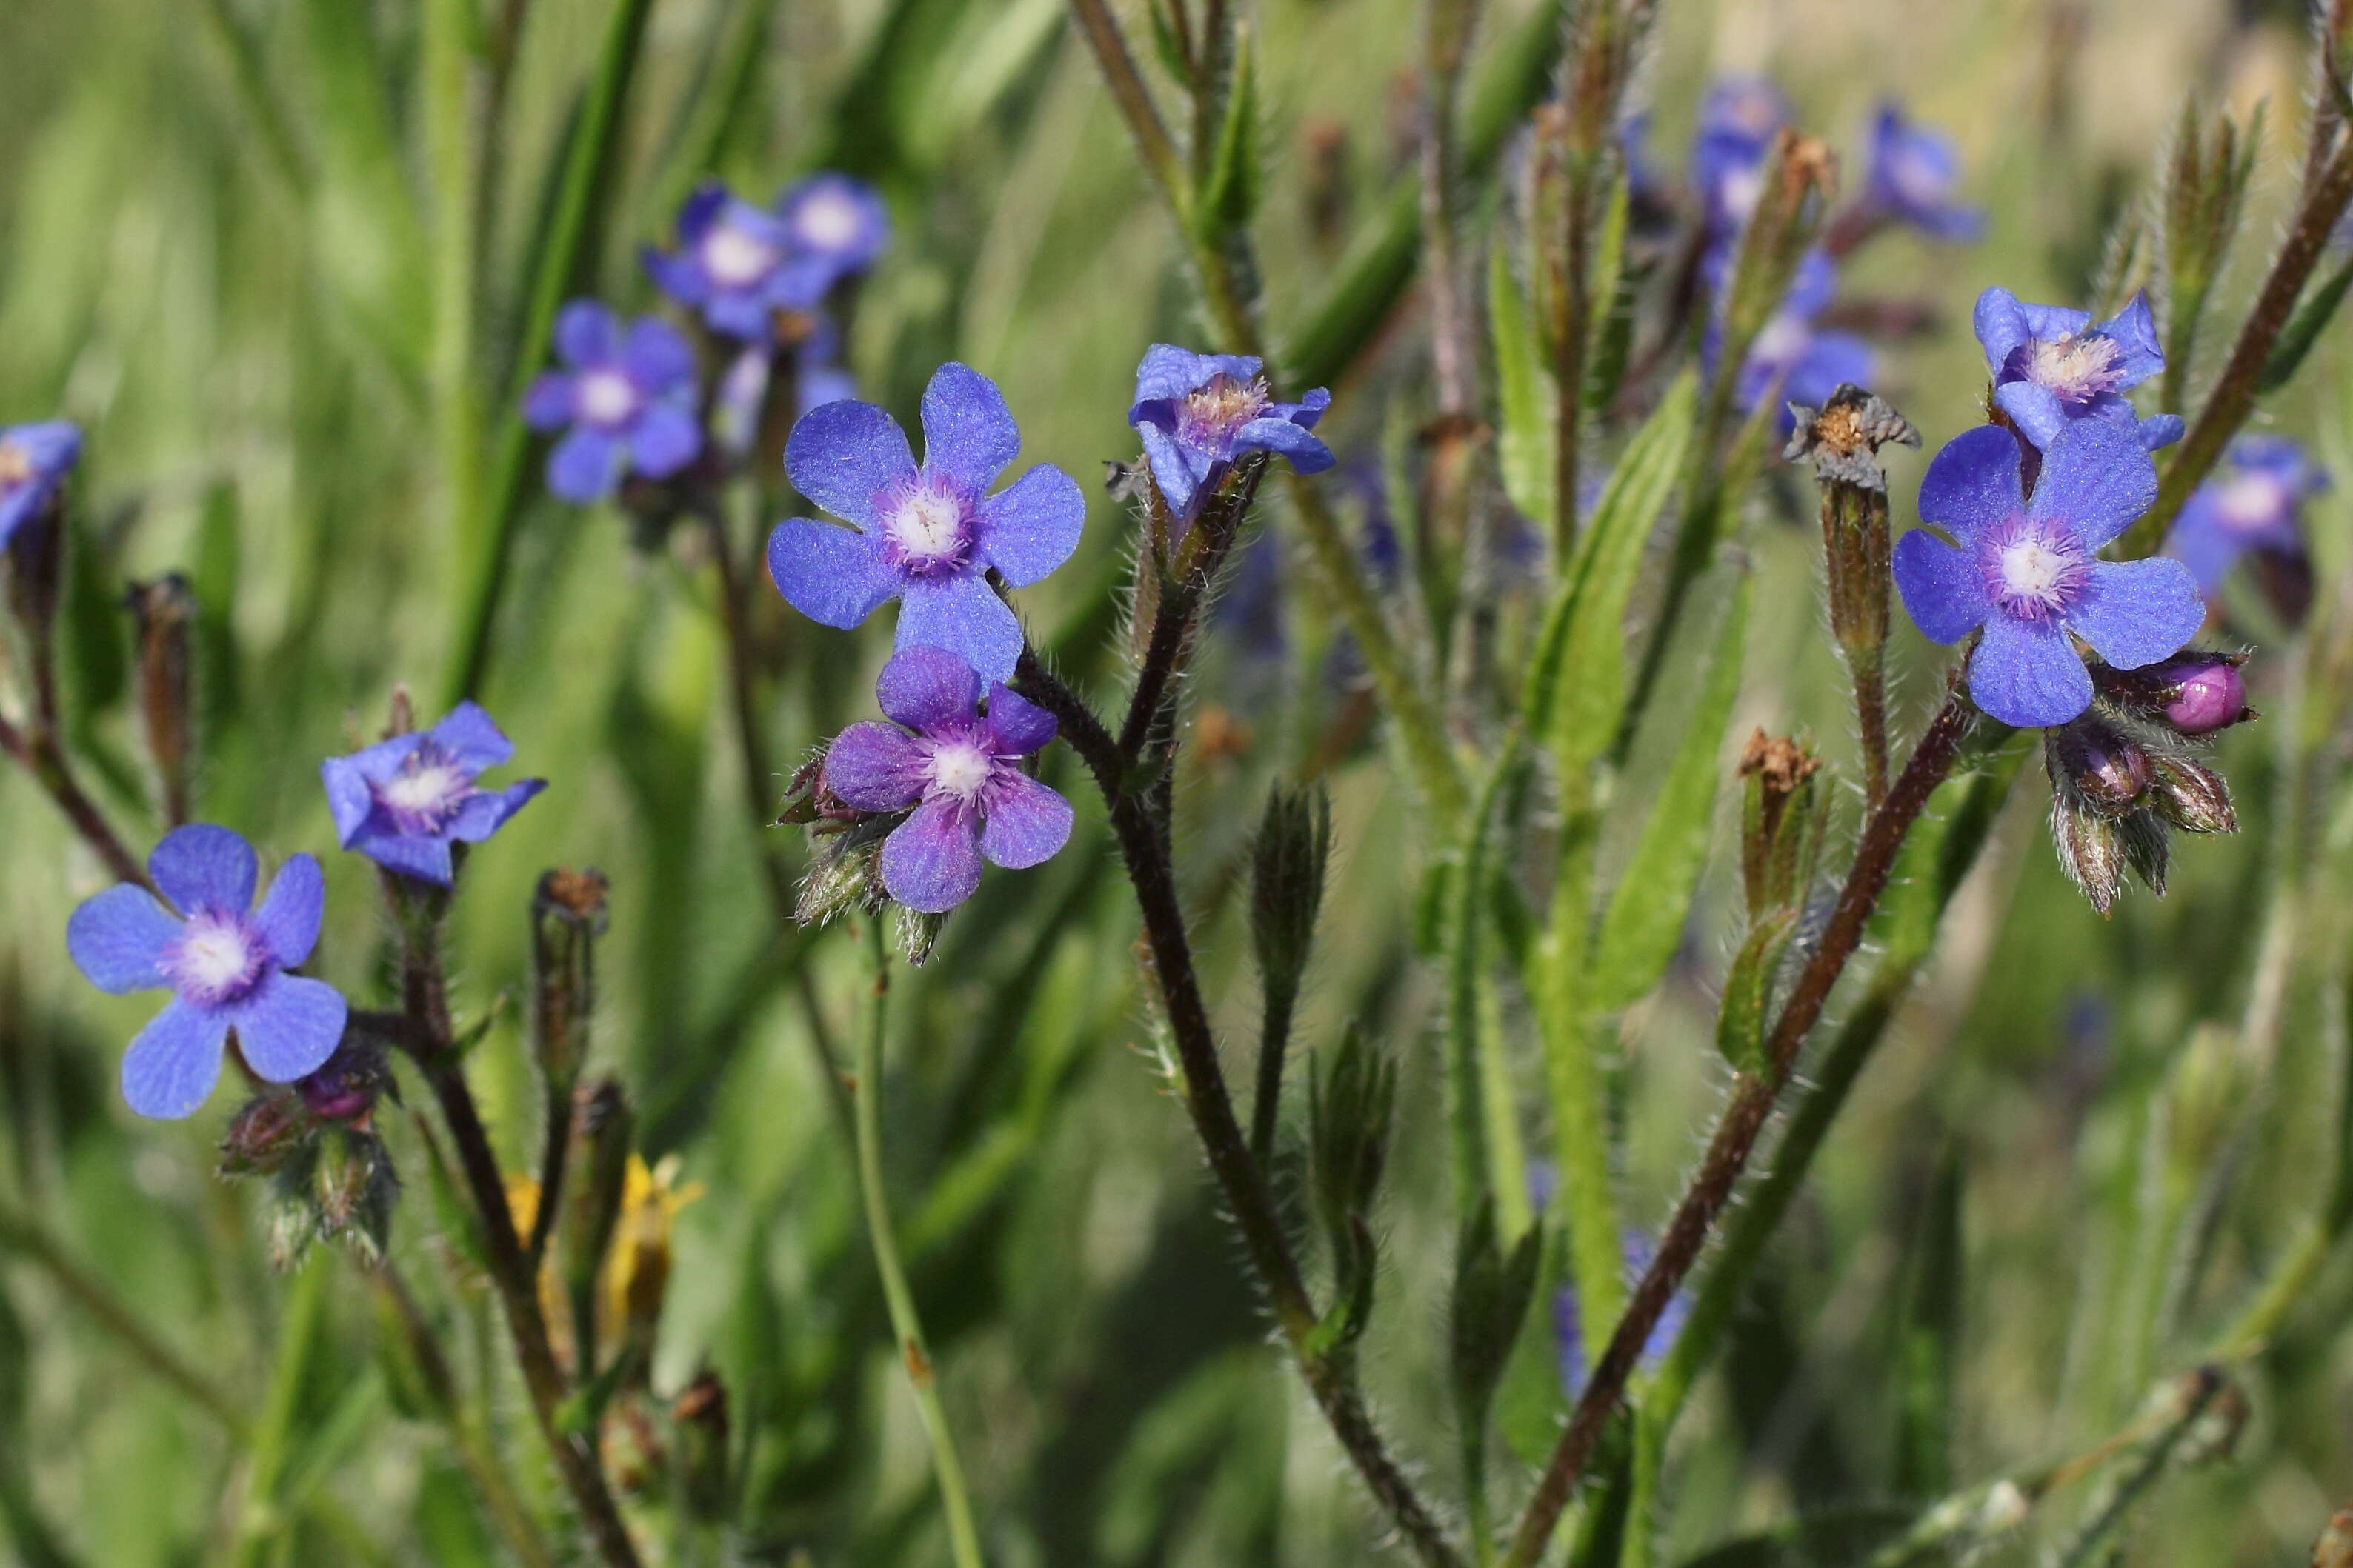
{"x": 2134, "y": 332}
{"x": 547, "y": 406}
{"x": 969, "y": 436}
{"x": 2096, "y": 478}
{"x": 472, "y": 738}
{"x": 1019, "y": 725}
{"x": 1831, "y": 360}
{"x": 925, "y": 686}
{"x": 2027, "y": 673}
{"x": 1176, "y": 468}
{"x": 1169, "y": 372}
{"x": 586, "y": 334}
{"x": 665, "y": 440}
{"x": 656, "y": 355}
{"x": 1972, "y": 482}
{"x": 1942, "y": 590}
{"x": 2050, "y": 322}
{"x": 2200, "y": 541}
{"x": 676, "y": 275}
{"x": 2137, "y": 612}
{"x": 201, "y": 867}
{"x": 289, "y": 1027}
{"x": 1031, "y": 527}
{"x": 1026, "y": 823}
{"x": 2000, "y": 323}
{"x": 876, "y": 767}
{"x": 349, "y": 800}
{"x": 583, "y": 466}
{"x": 835, "y": 576}
{"x": 2161, "y": 431}
{"x": 963, "y": 615}
{"x": 843, "y": 455}
{"x": 930, "y": 862}
{"x": 290, "y": 911}
{"x": 118, "y": 937}
{"x": 487, "y": 811}
{"x": 424, "y": 856}
{"x": 173, "y": 1065}
{"x": 2033, "y": 408}
{"x": 1306, "y": 454}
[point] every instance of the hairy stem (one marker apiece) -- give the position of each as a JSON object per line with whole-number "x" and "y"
{"x": 40, "y": 756}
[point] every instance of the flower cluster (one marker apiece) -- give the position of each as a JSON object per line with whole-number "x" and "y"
{"x": 625, "y": 397}
{"x": 230, "y": 964}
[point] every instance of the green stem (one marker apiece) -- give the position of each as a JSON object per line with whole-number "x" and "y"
{"x": 904, "y": 1323}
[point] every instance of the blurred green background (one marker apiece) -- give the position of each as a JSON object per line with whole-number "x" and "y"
{"x": 223, "y": 250}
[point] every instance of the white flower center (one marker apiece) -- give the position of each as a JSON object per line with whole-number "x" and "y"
{"x": 1782, "y": 342}
{"x": 2251, "y": 500}
{"x": 1738, "y": 191}
{"x": 2031, "y": 569}
{"x": 926, "y": 529}
{"x": 606, "y": 398}
{"x": 216, "y": 960}
{"x": 424, "y": 790}
{"x": 2077, "y": 369}
{"x": 960, "y": 769}
{"x": 1918, "y": 177}
{"x": 735, "y": 259}
{"x": 828, "y": 221}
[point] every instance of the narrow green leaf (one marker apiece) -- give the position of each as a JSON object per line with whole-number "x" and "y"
{"x": 1749, "y": 990}
{"x": 2304, "y": 329}
{"x": 1230, "y": 193}
{"x": 1575, "y": 690}
{"x": 1928, "y": 1347}
{"x": 1651, "y": 902}
{"x": 1617, "y": 288}
{"x": 1524, "y": 390}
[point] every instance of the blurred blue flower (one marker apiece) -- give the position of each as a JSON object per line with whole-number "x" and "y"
{"x": 1738, "y": 119}
{"x": 743, "y": 390}
{"x": 2054, "y": 366}
{"x": 737, "y": 264}
{"x": 959, "y": 768}
{"x": 2025, "y": 570}
{"x": 2255, "y": 503}
{"x": 1569, "y": 1335}
{"x": 34, "y": 462}
{"x": 1912, "y": 176}
{"x": 1198, "y": 413}
{"x": 837, "y": 225}
{"x": 629, "y": 397}
{"x": 404, "y": 801}
{"x": 1806, "y": 363}
{"x": 225, "y": 961}
{"x": 926, "y": 536}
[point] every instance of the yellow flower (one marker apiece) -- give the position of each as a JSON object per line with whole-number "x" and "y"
{"x": 637, "y": 1270}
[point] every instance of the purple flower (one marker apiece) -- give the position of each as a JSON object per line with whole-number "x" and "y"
{"x": 1567, "y": 1329}
{"x": 2024, "y": 570}
{"x": 629, "y": 397}
{"x": 403, "y": 802}
{"x": 2053, "y": 367}
{"x": 928, "y": 536}
{"x": 836, "y": 224}
{"x": 741, "y": 395}
{"x": 1805, "y": 362}
{"x": 34, "y": 462}
{"x": 1737, "y": 121}
{"x": 2254, "y": 504}
{"x": 960, "y": 771}
{"x": 736, "y": 264}
{"x": 1198, "y": 413}
{"x": 225, "y": 960}
{"x": 1912, "y": 176}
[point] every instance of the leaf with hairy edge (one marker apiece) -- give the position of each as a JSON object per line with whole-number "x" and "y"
{"x": 1525, "y": 391}
{"x": 1651, "y": 902}
{"x": 1230, "y": 194}
{"x": 1576, "y": 691}
{"x": 2304, "y": 328}
{"x": 1749, "y": 990}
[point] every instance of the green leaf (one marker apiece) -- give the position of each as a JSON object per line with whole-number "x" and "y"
{"x": 1927, "y": 1346}
{"x": 1741, "y": 1019}
{"x": 2304, "y": 328}
{"x": 1651, "y": 905}
{"x": 1613, "y": 324}
{"x": 1577, "y": 683}
{"x": 1230, "y": 195}
{"x": 1525, "y": 391}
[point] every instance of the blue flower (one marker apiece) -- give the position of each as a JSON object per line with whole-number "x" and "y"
{"x": 1737, "y": 121}
{"x": 2025, "y": 571}
{"x": 403, "y": 802}
{"x": 34, "y": 462}
{"x": 2052, "y": 366}
{"x": 1912, "y": 174}
{"x": 627, "y": 396}
{"x": 927, "y": 536}
{"x": 1806, "y": 363}
{"x": 836, "y": 224}
{"x": 959, "y": 769}
{"x": 737, "y": 264}
{"x": 2254, "y": 504}
{"x": 224, "y": 960}
{"x": 1567, "y": 1329}
{"x": 1198, "y": 413}
{"x": 737, "y": 405}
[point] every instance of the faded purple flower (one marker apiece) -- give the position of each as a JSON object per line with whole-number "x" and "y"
{"x": 34, "y": 462}
{"x": 2255, "y": 502}
{"x": 959, "y": 769}
{"x": 1737, "y": 121}
{"x": 736, "y": 264}
{"x": 404, "y": 801}
{"x": 742, "y": 392}
{"x": 927, "y": 536}
{"x": 629, "y": 397}
{"x": 836, "y": 224}
{"x": 2053, "y": 367}
{"x": 1567, "y": 1328}
{"x": 1806, "y": 364}
{"x": 2024, "y": 570}
{"x": 224, "y": 960}
{"x": 1198, "y": 413}
{"x": 1912, "y": 176}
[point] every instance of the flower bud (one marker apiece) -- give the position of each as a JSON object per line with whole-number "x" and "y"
{"x": 2335, "y": 1547}
{"x": 1781, "y": 823}
{"x": 262, "y": 1135}
{"x": 347, "y": 1085}
{"x": 2091, "y": 851}
{"x": 1288, "y": 860}
{"x": 567, "y": 916}
{"x": 165, "y": 611}
{"x": 2193, "y": 797}
{"x": 698, "y": 1417}
{"x": 916, "y": 932}
{"x": 354, "y": 1188}
{"x": 844, "y": 876}
{"x": 2194, "y": 692}
{"x": 2104, "y": 770}
{"x": 603, "y": 1129}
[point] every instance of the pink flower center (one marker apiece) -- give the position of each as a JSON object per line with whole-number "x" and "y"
{"x": 2035, "y": 568}
{"x": 2075, "y": 369}
{"x": 1208, "y": 417}
{"x": 218, "y": 958}
{"x": 926, "y": 530}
